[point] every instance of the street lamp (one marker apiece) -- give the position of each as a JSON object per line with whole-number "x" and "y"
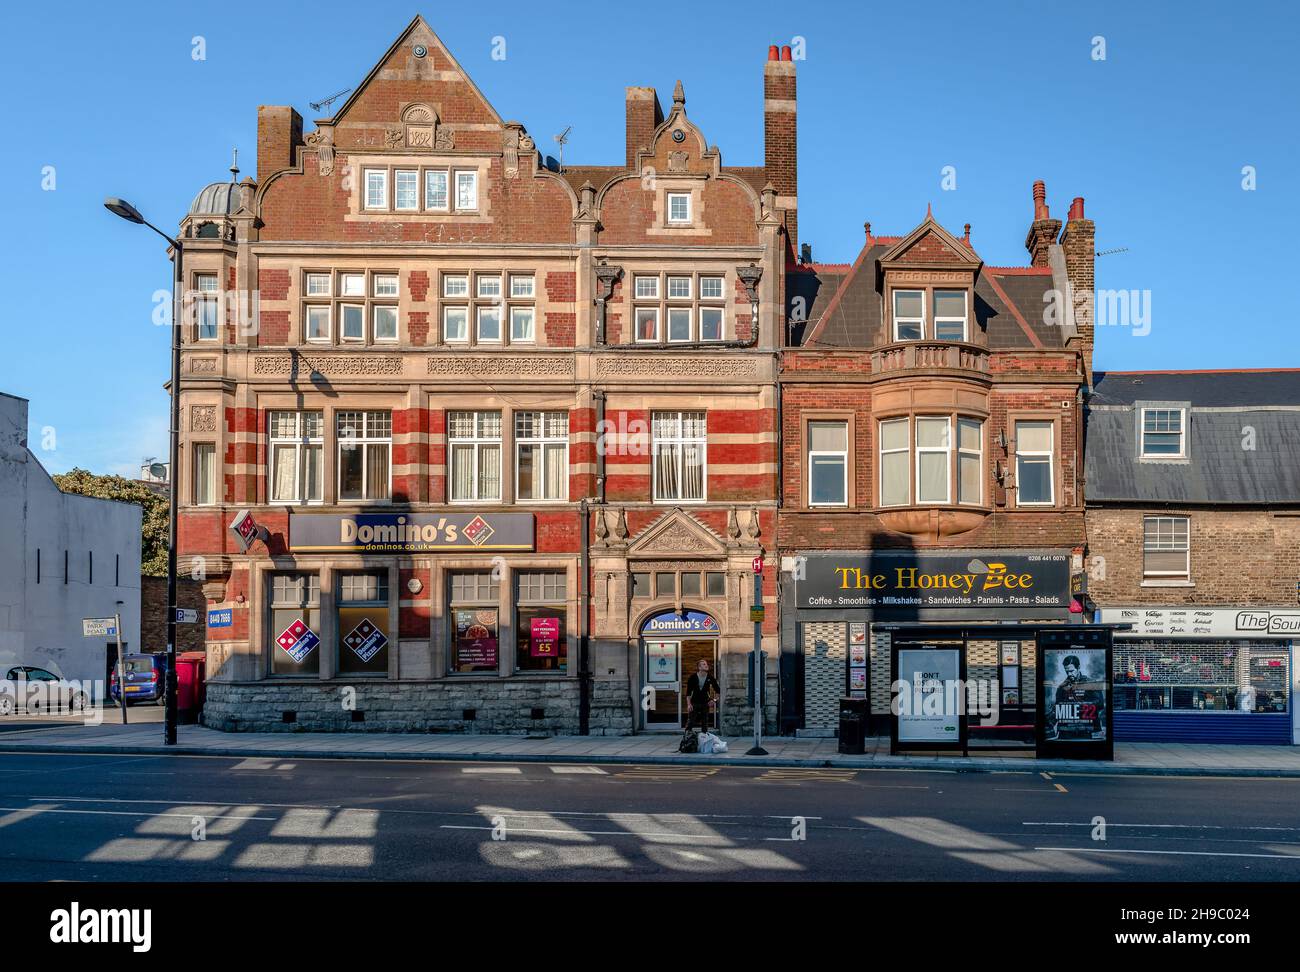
{"x": 120, "y": 207}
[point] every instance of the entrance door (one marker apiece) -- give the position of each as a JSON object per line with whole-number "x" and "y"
{"x": 663, "y": 667}
{"x": 691, "y": 653}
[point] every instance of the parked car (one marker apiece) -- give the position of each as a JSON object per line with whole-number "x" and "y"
{"x": 145, "y": 679}
{"x": 30, "y": 689}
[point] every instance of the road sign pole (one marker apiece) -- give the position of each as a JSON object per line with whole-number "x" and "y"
{"x": 757, "y": 673}
{"x": 121, "y": 666}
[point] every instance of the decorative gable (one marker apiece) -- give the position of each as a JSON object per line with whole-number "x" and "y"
{"x": 930, "y": 246}
{"x": 677, "y": 534}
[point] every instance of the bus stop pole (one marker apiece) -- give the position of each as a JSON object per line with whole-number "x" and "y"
{"x": 757, "y": 674}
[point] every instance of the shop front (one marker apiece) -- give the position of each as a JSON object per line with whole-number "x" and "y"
{"x": 673, "y": 646}
{"x": 838, "y": 606}
{"x": 1207, "y": 675}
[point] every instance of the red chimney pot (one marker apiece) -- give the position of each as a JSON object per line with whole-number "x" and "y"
{"x": 773, "y": 53}
{"x": 785, "y": 53}
{"x": 1040, "y": 200}
{"x": 1076, "y": 208}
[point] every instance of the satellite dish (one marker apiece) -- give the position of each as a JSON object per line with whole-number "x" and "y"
{"x": 158, "y": 470}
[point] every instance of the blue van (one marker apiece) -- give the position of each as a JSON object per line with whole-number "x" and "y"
{"x": 145, "y": 679}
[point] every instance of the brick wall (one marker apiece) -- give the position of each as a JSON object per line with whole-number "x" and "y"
{"x": 153, "y": 615}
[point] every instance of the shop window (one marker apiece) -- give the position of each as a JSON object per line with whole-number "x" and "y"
{"x": 679, "y": 456}
{"x": 297, "y": 457}
{"x": 474, "y": 439}
{"x": 363, "y": 624}
{"x": 641, "y": 583}
{"x": 294, "y": 631}
{"x": 540, "y": 614}
{"x": 474, "y": 623}
{"x": 365, "y": 445}
{"x": 828, "y": 463}
{"x": 1034, "y": 464}
{"x": 1162, "y": 433}
{"x": 1202, "y": 676}
{"x": 542, "y": 455}
{"x": 205, "y": 473}
{"x": 1166, "y": 547}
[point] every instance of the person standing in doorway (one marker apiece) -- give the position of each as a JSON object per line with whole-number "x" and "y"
{"x": 701, "y": 689}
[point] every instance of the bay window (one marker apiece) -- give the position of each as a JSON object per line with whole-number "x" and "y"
{"x": 208, "y": 306}
{"x": 205, "y": 473}
{"x": 933, "y": 458}
{"x": 970, "y": 461}
{"x": 680, "y": 446}
{"x": 895, "y": 478}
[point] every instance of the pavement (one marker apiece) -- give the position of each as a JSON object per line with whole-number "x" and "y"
{"x": 1163, "y": 759}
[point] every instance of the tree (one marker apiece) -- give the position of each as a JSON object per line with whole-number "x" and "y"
{"x": 153, "y": 504}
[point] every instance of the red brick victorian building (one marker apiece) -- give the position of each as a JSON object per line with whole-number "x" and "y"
{"x": 464, "y": 393}
{"x": 932, "y": 452}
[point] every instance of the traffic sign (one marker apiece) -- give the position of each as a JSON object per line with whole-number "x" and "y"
{"x": 757, "y": 614}
{"x": 186, "y": 616}
{"x": 99, "y": 627}
{"x": 758, "y": 565}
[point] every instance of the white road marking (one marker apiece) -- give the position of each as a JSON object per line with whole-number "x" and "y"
{"x": 484, "y": 770}
{"x": 565, "y": 770}
{"x": 1116, "y": 850}
{"x": 119, "y": 813}
{"x": 1143, "y": 826}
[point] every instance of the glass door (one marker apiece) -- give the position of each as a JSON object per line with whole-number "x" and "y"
{"x": 662, "y": 696}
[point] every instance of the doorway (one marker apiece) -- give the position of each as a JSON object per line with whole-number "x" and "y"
{"x": 668, "y": 666}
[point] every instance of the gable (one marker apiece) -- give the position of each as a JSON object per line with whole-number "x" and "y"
{"x": 930, "y": 248}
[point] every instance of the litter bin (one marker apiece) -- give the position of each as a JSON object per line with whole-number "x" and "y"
{"x": 853, "y": 726}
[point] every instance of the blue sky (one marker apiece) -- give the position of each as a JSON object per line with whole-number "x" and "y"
{"x": 1155, "y": 137}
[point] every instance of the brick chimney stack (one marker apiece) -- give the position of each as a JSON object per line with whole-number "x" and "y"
{"x": 1079, "y": 245}
{"x": 644, "y": 115}
{"x": 780, "y": 139}
{"x": 279, "y": 133}
{"x": 1044, "y": 230}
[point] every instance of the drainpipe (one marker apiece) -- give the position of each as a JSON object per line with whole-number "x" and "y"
{"x": 584, "y": 646}
{"x": 599, "y": 397}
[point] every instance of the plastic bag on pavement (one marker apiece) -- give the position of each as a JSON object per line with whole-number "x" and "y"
{"x": 709, "y": 743}
{"x": 720, "y": 746}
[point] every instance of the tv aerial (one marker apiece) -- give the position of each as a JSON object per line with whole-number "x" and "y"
{"x": 326, "y": 102}
{"x": 561, "y": 140}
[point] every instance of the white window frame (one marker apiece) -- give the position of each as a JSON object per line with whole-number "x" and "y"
{"x": 979, "y": 459}
{"x": 842, "y": 454}
{"x": 368, "y": 189}
{"x": 685, "y": 197}
{"x": 722, "y": 287}
{"x": 881, "y": 452}
{"x": 479, "y": 311}
{"x": 349, "y": 275}
{"x": 531, "y": 336}
{"x": 429, "y": 192}
{"x": 296, "y": 444}
{"x": 487, "y": 293}
{"x": 679, "y": 278}
{"x": 206, "y": 297}
{"x": 375, "y": 288}
{"x": 523, "y": 278}
{"x": 934, "y": 296}
{"x": 316, "y": 275}
{"x": 652, "y": 291}
{"x": 679, "y": 442}
{"x": 1182, "y": 432}
{"x": 920, "y": 450}
{"x": 544, "y": 440}
{"x": 325, "y": 338}
{"x": 1171, "y": 545}
{"x": 447, "y": 290}
{"x": 196, "y": 485}
{"x": 415, "y": 191}
{"x": 451, "y": 309}
{"x": 1051, "y": 463}
{"x": 366, "y": 440}
{"x": 636, "y": 324}
{"x": 343, "y": 336}
{"x": 374, "y": 323}
{"x": 722, "y": 323}
{"x": 919, "y": 321}
{"x": 690, "y": 325}
{"x": 478, "y": 440}
{"x": 472, "y": 176}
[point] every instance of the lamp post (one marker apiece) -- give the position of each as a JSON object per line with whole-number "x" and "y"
{"x": 120, "y": 207}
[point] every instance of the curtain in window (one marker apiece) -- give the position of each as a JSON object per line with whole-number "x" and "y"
{"x": 462, "y": 472}
{"x": 489, "y": 472}
{"x": 555, "y": 472}
{"x": 313, "y": 471}
{"x": 377, "y": 471}
{"x": 283, "y": 462}
{"x": 204, "y": 470}
{"x": 893, "y": 479}
{"x": 666, "y": 470}
{"x": 692, "y": 471}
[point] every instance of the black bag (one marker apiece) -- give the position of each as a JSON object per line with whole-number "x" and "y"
{"x": 690, "y": 741}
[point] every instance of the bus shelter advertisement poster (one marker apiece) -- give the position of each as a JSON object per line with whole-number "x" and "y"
{"x": 1076, "y": 693}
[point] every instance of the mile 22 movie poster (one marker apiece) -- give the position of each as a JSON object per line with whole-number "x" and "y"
{"x": 1076, "y": 679}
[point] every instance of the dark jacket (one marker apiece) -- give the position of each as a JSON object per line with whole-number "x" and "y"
{"x": 699, "y": 694}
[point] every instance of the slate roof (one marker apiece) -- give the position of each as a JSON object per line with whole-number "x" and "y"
{"x": 1222, "y": 406}
{"x": 1009, "y": 305}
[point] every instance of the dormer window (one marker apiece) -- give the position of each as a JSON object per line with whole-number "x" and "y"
{"x": 1162, "y": 433}
{"x": 950, "y": 315}
{"x": 909, "y": 315}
